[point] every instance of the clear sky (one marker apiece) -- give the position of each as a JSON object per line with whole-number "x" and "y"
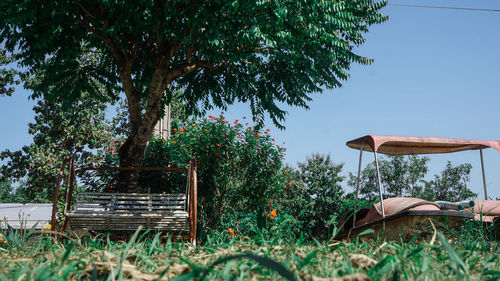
{"x": 436, "y": 73}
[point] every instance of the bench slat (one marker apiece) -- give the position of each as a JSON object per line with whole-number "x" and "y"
{"x": 127, "y": 211}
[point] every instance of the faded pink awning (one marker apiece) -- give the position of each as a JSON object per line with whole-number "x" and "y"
{"x": 396, "y": 145}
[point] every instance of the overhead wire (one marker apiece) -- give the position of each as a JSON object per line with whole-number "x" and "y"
{"x": 444, "y": 7}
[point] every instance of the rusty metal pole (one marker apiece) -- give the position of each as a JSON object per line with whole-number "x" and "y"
{"x": 194, "y": 201}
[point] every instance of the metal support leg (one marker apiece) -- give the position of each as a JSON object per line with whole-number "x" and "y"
{"x": 379, "y": 185}
{"x": 357, "y": 186}
{"x": 484, "y": 176}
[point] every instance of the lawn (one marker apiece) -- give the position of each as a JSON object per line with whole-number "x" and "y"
{"x": 225, "y": 257}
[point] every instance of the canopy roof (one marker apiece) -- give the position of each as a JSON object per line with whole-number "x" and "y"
{"x": 396, "y": 145}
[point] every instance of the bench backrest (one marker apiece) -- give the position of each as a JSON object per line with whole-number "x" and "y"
{"x": 130, "y": 202}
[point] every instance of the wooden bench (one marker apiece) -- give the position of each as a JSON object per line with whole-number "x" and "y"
{"x": 125, "y": 212}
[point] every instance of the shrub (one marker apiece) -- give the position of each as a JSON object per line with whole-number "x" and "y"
{"x": 313, "y": 194}
{"x": 238, "y": 168}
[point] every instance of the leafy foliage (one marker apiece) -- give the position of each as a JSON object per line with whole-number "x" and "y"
{"x": 57, "y": 133}
{"x": 313, "y": 194}
{"x": 405, "y": 177}
{"x": 8, "y": 75}
{"x": 451, "y": 185}
{"x": 238, "y": 168}
{"x": 265, "y": 53}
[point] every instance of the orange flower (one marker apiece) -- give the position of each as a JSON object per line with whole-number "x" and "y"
{"x": 270, "y": 202}
{"x": 194, "y": 125}
{"x": 216, "y": 153}
{"x": 284, "y": 186}
{"x": 236, "y": 122}
{"x": 272, "y": 214}
{"x": 218, "y": 145}
{"x": 182, "y": 130}
{"x": 174, "y": 142}
{"x": 258, "y": 148}
{"x": 175, "y": 130}
{"x": 257, "y": 135}
{"x": 230, "y": 231}
{"x": 290, "y": 184}
{"x": 205, "y": 130}
{"x": 268, "y": 130}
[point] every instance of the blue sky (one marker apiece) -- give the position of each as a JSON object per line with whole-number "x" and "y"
{"x": 436, "y": 73}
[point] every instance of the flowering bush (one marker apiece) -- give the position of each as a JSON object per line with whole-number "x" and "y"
{"x": 238, "y": 168}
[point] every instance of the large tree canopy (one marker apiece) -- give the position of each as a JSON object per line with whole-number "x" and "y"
{"x": 265, "y": 52}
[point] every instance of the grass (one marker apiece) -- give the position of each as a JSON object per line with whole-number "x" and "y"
{"x": 221, "y": 257}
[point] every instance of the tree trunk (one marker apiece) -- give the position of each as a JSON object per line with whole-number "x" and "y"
{"x": 131, "y": 153}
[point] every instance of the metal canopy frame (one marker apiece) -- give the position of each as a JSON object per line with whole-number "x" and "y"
{"x": 369, "y": 142}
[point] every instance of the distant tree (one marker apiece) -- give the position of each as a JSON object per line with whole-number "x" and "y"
{"x": 451, "y": 185}
{"x": 400, "y": 176}
{"x": 5, "y": 190}
{"x": 368, "y": 187}
{"x": 75, "y": 131}
{"x": 9, "y": 194}
{"x": 265, "y": 53}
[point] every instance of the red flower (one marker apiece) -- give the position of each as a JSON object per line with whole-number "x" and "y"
{"x": 216, "y": 153}
{"x": 236, "y": 122}
{"x": 218, "y": 145}
{"x": 272, "y": 139}
{"x": 257, "y": 135}
{"x": 268, "y": 130}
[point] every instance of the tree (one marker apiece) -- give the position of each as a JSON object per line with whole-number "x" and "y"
{"x": 74, "y": 131}
{"x": 451, "y": 185}
{"x": 399, "y": 177}
{"x": 261, "y": 52}
{"x": 314, "y": 194}
{"x": 9, "y": 76}
{"x": 368, "y": 188}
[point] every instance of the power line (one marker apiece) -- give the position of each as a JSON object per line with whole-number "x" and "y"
{"x": 445, "y": 7}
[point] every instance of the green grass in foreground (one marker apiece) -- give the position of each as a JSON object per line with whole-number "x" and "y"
{"x": 242, "y": 258}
